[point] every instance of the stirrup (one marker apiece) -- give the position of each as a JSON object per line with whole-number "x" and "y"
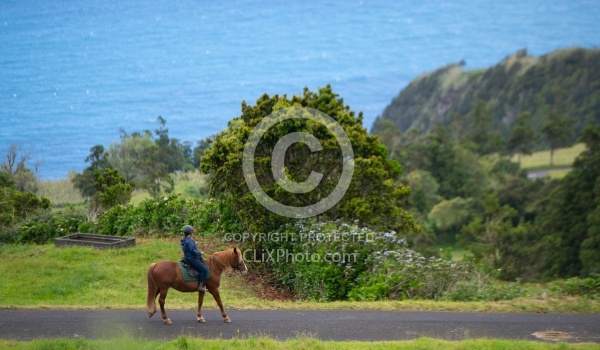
{"x": 201, "y": 288}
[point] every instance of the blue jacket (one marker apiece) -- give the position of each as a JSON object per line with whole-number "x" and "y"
{"x": 190, "y": 251}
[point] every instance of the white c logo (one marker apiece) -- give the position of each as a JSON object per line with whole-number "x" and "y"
{"x": 278, "y": 158}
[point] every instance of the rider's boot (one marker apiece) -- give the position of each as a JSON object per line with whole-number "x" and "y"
{"x": 202, "y": 287}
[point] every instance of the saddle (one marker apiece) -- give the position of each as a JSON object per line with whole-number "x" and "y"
{"x": 191, "y": 271}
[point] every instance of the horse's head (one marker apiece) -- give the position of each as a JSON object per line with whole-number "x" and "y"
{"x": 238, "y": 261}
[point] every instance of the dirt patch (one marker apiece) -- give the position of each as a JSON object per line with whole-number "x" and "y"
{"x": 552, "y": 335}
{"x": 266, "y": 291}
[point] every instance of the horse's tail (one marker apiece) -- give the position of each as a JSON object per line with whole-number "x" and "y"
{"x": 152, "y": 291}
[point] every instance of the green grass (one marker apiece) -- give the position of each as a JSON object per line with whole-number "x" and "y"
{"x": 300, "y": 342}
{"x": 44, "y": 276}
{"x": 62, "y": 192}
{"x": 190, "y": 183}
{"x": 563, "y": 158}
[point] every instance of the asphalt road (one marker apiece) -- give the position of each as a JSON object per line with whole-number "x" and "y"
{"x": 327, "y": 325}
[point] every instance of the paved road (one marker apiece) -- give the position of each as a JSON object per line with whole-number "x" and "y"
{"x": 327, "y": 325}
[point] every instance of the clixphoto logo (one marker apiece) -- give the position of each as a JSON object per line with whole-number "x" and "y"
{"x": 278, "y": 162}
{"x": 287, "y": 256}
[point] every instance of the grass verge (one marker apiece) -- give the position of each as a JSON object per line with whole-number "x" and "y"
{"x": 44, "y": 276}
{"x": 295, "y": 343}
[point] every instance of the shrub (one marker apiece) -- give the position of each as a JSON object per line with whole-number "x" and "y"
{"x": 405, "y": 274}
{"x": 481, "y": 287}
{"x": 589, "y": 287}
{"x": 165, "y": 217}
{"x": 42, "y": 226}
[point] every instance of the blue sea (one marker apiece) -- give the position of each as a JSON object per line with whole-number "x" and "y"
{"x": 74, "y": 74}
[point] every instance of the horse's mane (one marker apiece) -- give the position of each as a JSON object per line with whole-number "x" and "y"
{"x": 220, "y": 260}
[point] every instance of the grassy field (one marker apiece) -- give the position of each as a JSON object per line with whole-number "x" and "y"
{"x": 192, "y": 184}
{"x": 563, "y": 158}
{"x": 296, "y": 343}
{"x": 44, "y": 276}
{"x": 60, "y": 192}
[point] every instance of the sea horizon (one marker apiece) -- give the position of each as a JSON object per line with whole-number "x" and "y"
{"x": 77, "y": 73}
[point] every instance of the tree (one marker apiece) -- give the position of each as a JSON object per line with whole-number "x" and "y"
{"x": 111, "y": 189}
{"x": 424, "y": 190}
{"x": 373, "y": 196}
{"x": 567, "y": 223}
{"x": 557, "y": 127}
{"x": 199, "y": 150}
{"x": 456, "y": 168}
{"x": 482, "y": 135}
{"x": 448, "y": 216}
{"x": 15, "y": 204}
{"x": 15, "y": 166}
{"x": 522, "y": 136}
{"x": 173, "y": 153}
{"x": 484, "y": 236}
{"x": 84, "y": 182}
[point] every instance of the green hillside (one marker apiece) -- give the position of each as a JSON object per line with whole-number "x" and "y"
{"x": 567, "y": 80}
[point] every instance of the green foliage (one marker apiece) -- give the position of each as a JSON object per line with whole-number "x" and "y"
{"x": 317, "y": 261}
{"x": 484, "y": 235}
{"x": 423, "y": 190}
{"x": 373, "y": 197}
{"x": 111, "y": 189}
{"x": 588, "y": 287}
{"x": 141, "y": 159}
{"x": 568, "y": 222}
{"x": 405, "y": 274}
{"x": 454, "y": 167}
{"x": 448, "y": 216}
{"x": 41, "y": 226}
{"x": 16, "y": 168}
{"x": 558, "y": 127}
{"x": 16, "y": 205}
{"x": 84, "y": 182}
{"x": 480, "y": 287}
{"x": 337, "y": 261}
{"x": 522, "y": 137}
{"x": 165, "y": 217}
{"x": 482, "y": 135}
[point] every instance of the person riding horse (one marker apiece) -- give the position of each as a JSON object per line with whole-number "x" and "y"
{"x": 194, "y": 257}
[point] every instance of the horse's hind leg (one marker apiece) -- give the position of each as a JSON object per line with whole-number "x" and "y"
{"x": 161, "y": 301}
{"x": 199, "y": 312}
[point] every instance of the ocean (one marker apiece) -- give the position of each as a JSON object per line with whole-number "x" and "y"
{"x": 75, "y": 74}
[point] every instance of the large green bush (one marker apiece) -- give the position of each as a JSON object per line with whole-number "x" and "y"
{"x": 165, "y": 217}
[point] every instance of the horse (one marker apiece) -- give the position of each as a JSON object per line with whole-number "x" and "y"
{"x": 167, "y": 274}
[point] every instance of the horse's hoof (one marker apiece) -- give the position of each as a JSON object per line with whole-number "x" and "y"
{"x": 150, "y": 314}
{"x": 168, "y": 321}
{"x": 201, "y": 320}
{"x": 227, "y": 320}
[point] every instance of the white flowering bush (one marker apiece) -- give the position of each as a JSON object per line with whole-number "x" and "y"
{"x": 362, "y": 264}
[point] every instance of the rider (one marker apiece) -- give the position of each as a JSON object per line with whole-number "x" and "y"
{"x": 194, "y": 257}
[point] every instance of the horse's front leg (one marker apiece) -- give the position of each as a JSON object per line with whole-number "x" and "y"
{"x": 217, "y": 297}
{"x": 161, "y": 301}
{"x": 199, "y": 312}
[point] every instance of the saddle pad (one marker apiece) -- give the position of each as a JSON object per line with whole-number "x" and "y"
{"x": 186, "y": 275}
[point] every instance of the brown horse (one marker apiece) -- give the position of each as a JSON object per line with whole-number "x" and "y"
{"x": 167, "y": 274}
